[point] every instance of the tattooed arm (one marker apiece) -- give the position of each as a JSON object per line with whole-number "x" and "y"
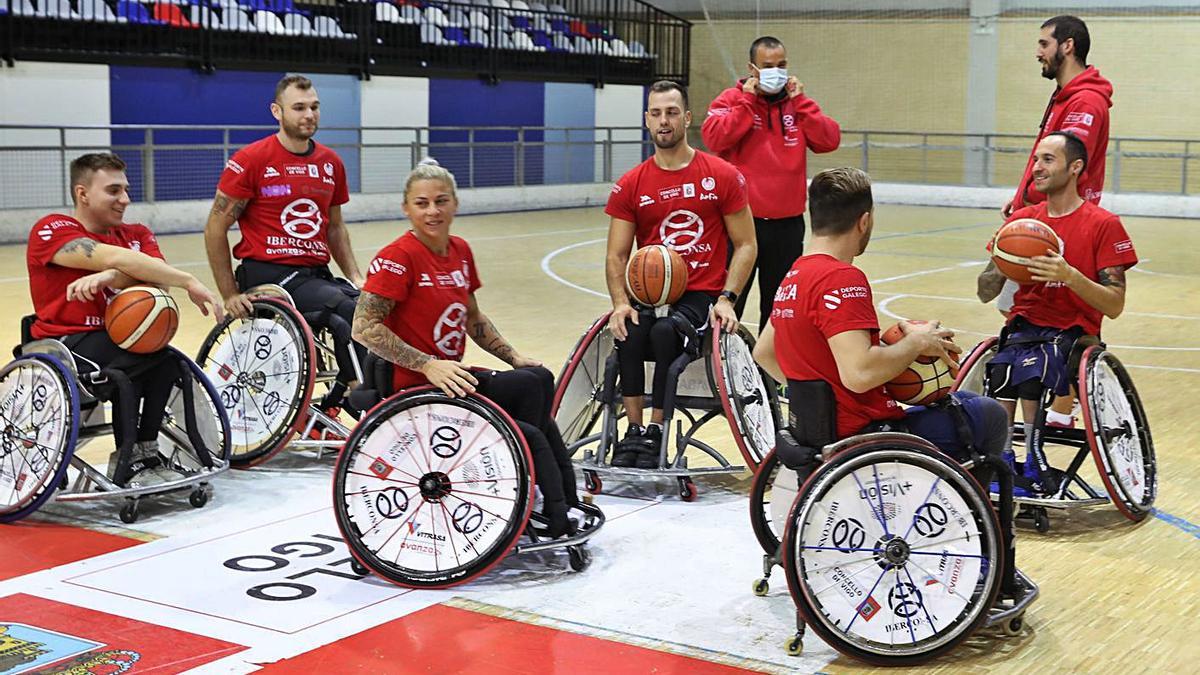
{"x": 371, "y": 330}
{"x": 486, "y": 335}
{"x": 1106, "y": 295}
{"x": 990, "y": 283}
{"x": 225, "y": 212}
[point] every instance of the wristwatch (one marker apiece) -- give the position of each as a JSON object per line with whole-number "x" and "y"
{"x": 730, "y": 296}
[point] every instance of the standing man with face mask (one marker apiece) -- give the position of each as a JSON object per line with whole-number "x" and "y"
{"x": 765, "y": 126}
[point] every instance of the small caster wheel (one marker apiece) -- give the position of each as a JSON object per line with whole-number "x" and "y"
{"x": 129, "y": 512}
{"x": 794, "y": 645}
{"x": 592, "y": 482}
{"x": 198, "y": 498}
{"x": 761, "y": 587}
{"x": 1041, "y": 522}
{"x": 579, "y": 558}
{"x": 687, "y": 489}
{"x": 359, "y": 568}
{"x": 1013, "y": 626}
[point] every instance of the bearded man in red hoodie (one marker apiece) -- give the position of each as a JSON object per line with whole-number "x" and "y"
{"x": 765, "y": 126}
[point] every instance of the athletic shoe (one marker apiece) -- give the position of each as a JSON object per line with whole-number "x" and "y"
{"x": 1061, "y": 425}
{"x": 1011, "y": 460}
{"x": 1044, "y": 483}
{"x": 648, "y": 456}
{"x": 628, "y": 448}
{"x": 143, "y": 457}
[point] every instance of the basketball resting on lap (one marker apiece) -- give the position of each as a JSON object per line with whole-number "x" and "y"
{"x": 75, "y": 262}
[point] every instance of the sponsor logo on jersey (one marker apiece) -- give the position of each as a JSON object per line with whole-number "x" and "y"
{"x": 708, "y": 197}
{"x": 449, "y": 332}
{"x": 709, "y": 183}
{"x": 789, "y": 120}
{"x": 616, "y": 188}
{"x": 270, "y": 173}
{"x": 296, "y": 169}
{"x": 234, "y": 166}
{"x": 312, "y": 171}
{"x": 425, "y": 280}
{"x": 135, "y": 245}
{"x": 667, "y": 194}
{"x": 645, "y": 200}
{"x": 460, "y": 279}
{"x": 681, "y": 230}
{"x": 1123, "y": 246}
{"x": 832, "y": 299}
{"x": 381, "y": 264}
{"x": 46, "y": 232}
{"x": 689, "y": 189}
{"x": 278, "y": 190}
{"x": 1083, "y": 118}
{"x": 328, "y": 168}
{"x": 301, "y": 219}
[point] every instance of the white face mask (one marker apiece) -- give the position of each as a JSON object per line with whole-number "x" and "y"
{"x": 771, "y": 80}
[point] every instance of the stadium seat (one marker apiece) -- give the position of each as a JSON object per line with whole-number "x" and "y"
{"x": 524, "y": 42}
{"x": 22, "y": 8}
{"x": 327, "y": 26}
{"x": 576, "y": 27}
{"x": 502, "y": 4}
{"x": 267, "y": 22}
{"x": 541, "y": 39}
{"x": 479, "y": 38}
{"x": 235, "y": 19}
{"x": 562, "y": 43}
{"x": 431, "y": 34}
{"x": 96, "y": 10}
{"x": 558, "y": 9}
{"x": 457, "y": 16}
{"x": 618, "y": 47}
{"x": 537, "y": 7}
{"x": 505, "y": 41}
{"x": 57, "y": 9}
{"x": 479, "y": 20}
{"x": 558, "y": 25}
{"x": 456, "y": 35}
{"x": 297, "y": 24}
{"x": 134, "y": 12}
{"x": 169, "y": 14}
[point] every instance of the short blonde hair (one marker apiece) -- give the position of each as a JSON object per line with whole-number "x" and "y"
{"x": 429, "y": 169}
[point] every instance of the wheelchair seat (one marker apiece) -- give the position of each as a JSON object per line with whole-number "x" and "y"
{"x": 812, "y": 423}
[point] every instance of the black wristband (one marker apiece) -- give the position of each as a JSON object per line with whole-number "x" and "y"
{"x": 730, "y": 296}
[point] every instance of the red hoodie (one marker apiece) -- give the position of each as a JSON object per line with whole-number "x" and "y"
{"x": 768, "y": 141}
{"x": 1081, "y": 108}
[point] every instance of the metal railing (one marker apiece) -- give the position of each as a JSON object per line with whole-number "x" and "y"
{"x": 185, "y": 162}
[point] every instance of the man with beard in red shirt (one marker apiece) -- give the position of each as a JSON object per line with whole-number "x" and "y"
{"x": 286, "y": 193}
{"x": 1071, "y": 294}
{"x": 696, "y": 204}
{"x": 76, "y": 262}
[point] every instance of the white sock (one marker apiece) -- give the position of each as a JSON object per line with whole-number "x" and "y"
{"x": 1057, "y": 417}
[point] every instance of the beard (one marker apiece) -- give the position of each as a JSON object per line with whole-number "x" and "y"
{"x": 669, "y": 142}
{"x": 1050, "y": 69}
{"x": 295, "y": 131}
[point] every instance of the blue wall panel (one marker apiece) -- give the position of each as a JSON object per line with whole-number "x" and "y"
{"x": 572, "y": 159}
{"x": 474, "y": 103}
{"x": 183, "y": 96}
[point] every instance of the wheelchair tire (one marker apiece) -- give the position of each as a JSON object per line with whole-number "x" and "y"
{"x": 388, "y": 473}
{"x": 750, "y": 402}
{"x": 39, "y": 410}
{"x": 1118, "y": 433}
{"x": 266, "y": 426}
{"x": 972, "y": 374}
{"x": 883, "y": 597}
{"x": 211, "y": 418}
{"x": 577, "y": 406}
{"x": 760, "y": 504}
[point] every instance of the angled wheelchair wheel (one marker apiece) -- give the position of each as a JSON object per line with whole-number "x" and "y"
{"x": 39, "y": 411}
{"x": 750, "y": 402}
{"x": 577, "y": 406}
{"x": 1118, "y": 433}
{"x": 972, "y": 374}
{"x": 262, "y": 368}
{"x": 431, "y": 491}
{"x": 764, "y": 519}
{"x": 892, "y": 551}
{"x": 209, "y": 416}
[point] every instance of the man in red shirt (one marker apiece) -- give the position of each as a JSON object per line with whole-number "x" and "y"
{"x": 1071, "y": 294}
{"x": 75, "y": 264}
{"x": 765, "y": 126}
{"x": 696, "y": 204}
{"x": 286, "y": 193}
{"x": 823, "y": 328}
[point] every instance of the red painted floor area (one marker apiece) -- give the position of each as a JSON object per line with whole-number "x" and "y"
{"x": 30, "y": 546}
{"x": 442, "y": 639}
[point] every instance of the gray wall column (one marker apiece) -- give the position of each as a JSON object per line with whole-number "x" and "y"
{"x": 983, "y": 56}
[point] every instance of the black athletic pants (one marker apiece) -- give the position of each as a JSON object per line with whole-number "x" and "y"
{"x": 526, "y": 394}
{"x": 325, "y": 301}
{"x": 780, "y": 242}
{"x": 657, "y": 340}
{"x": 152, "y": 377}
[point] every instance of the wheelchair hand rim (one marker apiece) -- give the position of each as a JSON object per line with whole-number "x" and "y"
{"x": 1105, "y": 386}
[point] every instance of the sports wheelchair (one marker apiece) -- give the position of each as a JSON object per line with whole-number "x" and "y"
{"x": 891, "y": 549}
{"x": 50, "y": 410}
{"x": 1115, "y": 432}
{"x": 265, "y": 368}
{"x": 432, "y": 491}
{"x": 717, "y": 378}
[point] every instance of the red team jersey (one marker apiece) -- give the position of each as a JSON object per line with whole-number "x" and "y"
{"x": 1093, "y": 239}
{"x": 431, "y": 294}
{"x": 820, "y": 297}
{"x": 684, "y": 210}
{"x": 287, "y": 219}
{"x": 48, "y": 282}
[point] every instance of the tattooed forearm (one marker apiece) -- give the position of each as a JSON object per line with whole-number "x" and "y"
{"x": 1113, "y": 277}
{"x": 82, "y": 244}
{"x": 372, "y": 332}
{"x": 990, "y": 283}
{"x": 485, "y": 334}
{"x": 229, "y": 208}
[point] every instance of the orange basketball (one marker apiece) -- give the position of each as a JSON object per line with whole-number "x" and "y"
{"x": 925, "y": 381}
{"x": 656, "y": 275}
{"x": 1019, "y": 241}
{"x": 142, "y": 319}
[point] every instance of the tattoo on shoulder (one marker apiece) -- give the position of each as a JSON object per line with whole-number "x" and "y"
{"x": 224, "y": 206}
{"x": 82, "y": 244}
{"x": 1113, "y": 276}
